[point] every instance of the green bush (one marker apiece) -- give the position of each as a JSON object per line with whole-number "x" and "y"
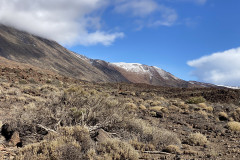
{"x": 196, "y": 100}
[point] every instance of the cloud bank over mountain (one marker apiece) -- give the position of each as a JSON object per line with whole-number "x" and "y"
{"x": 222, "y": 68}
{"x": 68, "y": 22}
{"x": 75, "y": 22}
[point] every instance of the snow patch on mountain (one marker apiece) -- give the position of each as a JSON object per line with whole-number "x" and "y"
{"x": 144, "y": 69}
{"x": 132, "y": 67}
{"x": 86, "y": 59}
{"x": 231, "y": 87}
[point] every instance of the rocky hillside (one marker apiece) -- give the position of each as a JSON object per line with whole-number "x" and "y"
{"x": 27, "y": 48}
{"x": 138, "y": 73}
{"x": 46, "y": 54}
{"x": 47, "y": 116}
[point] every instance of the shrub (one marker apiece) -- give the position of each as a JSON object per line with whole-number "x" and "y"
{"x": 234, "y": 126}
{"x": 142, "y": 107}
{"x": 142, "y": 146}
{"x": 78, "y": 133}
{"x": 197, "y": 139}
{"x": 172, "y": 149}
{"x": 156, "y": 108}
{"x": 196, "y": 100}
{"x": 116, "y": 149}
{"x": 204, "y": 106}
{"x": 147, "y": 133}
{"x": 131, "y": 106}
{"x": 236, "y": 115}
{"x": 23, "y": 81}
{"x": 60, "y": 148}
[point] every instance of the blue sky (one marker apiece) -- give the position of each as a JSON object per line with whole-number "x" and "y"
{"x": 201, "y": 29}
{"x": 192, "y": 39}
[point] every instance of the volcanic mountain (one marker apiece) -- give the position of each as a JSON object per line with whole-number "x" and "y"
{"x": 27, "y": 48}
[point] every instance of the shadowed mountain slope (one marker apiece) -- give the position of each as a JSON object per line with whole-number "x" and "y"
{"x": 26, "y": 48}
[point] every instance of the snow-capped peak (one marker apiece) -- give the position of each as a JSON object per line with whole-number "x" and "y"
{"x": 132, "y": 67}
{"x": 144, "y": 69}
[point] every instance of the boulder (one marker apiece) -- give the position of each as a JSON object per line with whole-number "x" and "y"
{"x": 102, "y": 136}
{"x": 15, "y": 140}
{"x": 7, "y": 131}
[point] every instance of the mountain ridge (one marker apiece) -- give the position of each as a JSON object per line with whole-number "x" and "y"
{"x": 27, "y": 48}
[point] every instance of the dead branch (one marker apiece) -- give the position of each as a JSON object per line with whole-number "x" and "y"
{"x": 156, "y": 152}
{"x": 45, "y": 128}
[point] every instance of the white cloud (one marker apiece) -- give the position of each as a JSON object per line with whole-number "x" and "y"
{"x": 221, "y": 68}
{"x": 66, "y": 21}
{"x": 139, "y": 8}
{"x": 163, "y": 16}
{"x": 96, "y": 37}
{"x": 168, "y": 17}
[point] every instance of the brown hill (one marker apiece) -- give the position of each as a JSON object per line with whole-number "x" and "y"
{"x": 27, "y": 48}
{"x": 46, "y": 54}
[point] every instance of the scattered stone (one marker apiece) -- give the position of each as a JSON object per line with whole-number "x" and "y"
{"x": 7, "y": 131}
{"x": 102, "y": 135}
{"x": 15, "y": 139}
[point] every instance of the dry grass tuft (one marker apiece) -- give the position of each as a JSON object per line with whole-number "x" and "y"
{"x": 197, "y": 139}
{"x": 142, "y": 107}
{"x": 234, "y": 126}
{"x": 172, "y": 149}
{"x": 205, "y": 107}
{"x": 142, "y": 146}
{"x": 156, "y": 108}
{"x": 131, "y": 106}
{"x": 116, "y": 149}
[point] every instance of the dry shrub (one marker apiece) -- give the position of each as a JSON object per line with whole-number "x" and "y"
{"x": 111, "y": 102}
{"x": 172, "y": 149}
{"x": 197, "y": 139}
{"x": 156, "y": 108}
{"x": 204, "y": 113}
{"x": 69, "y": 143}
{"x": 184, "y": 106}
{"x": 80, "y": 134}
{"x": 174, "y": 108}
{"x": 147, "y": 133}
{"x": 234, "y": 126}
{"x": 205, "y": 107}
{"x": 190, "y": 152}
{"x": 155, "y": 103}
{"x": 30, "y": 106}
{"x": 142, "y": 146}
{"x": 60, "y": 148}
{"x": 116, "y": 149}
{"x": 236, "y": 115}
{"x": 130, "y": 106}
{"x": 142, "y": 107}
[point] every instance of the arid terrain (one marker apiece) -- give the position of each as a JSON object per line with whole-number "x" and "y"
{"x": 48, "y": 116}
{"x": 56, "y": 104}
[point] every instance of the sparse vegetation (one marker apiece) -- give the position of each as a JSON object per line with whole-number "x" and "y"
{"x": 62, "y": 119}
{"x": 197, "y": 139}
{"x": 234, "y": 126}
{"x": 196, "y": 100}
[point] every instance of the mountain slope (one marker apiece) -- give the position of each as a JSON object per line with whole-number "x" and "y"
{"x": 46, "y": 54}
{"x": 26, "y": 48}
{"x": 138, "y": 73}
